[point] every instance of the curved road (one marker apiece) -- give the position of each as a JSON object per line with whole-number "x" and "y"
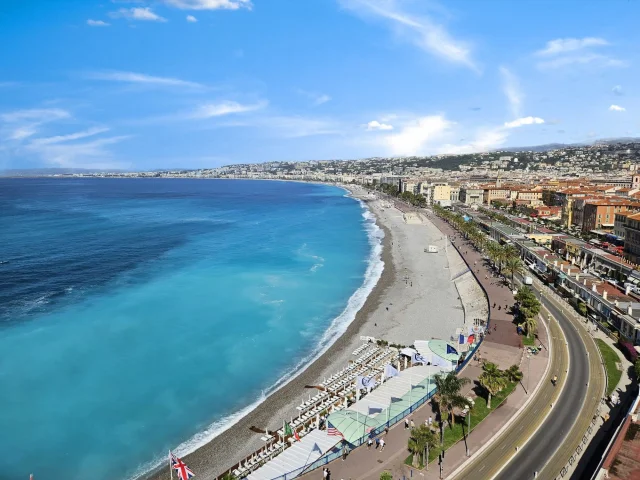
{"x": 549, "y": 443}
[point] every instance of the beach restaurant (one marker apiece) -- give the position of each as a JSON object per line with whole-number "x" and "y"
{"x": 369, "y": 414}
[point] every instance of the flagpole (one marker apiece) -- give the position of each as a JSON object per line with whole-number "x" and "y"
{"x": 170, "y": 469}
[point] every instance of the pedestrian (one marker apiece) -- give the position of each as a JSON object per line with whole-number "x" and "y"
{"x": 344, "y": 453}
{"x": 386, "y": 430}
{"x": 382, "y": 442}
{"x": 324, "y": 473}
{"x": 499, "y": 307}
{"x": 406, "y": 423}
{"x": 328, "y": 474}
{"x": 377, "y": 443}
{"x": 369, "y": 443}
{"x": 413, "y": 425}
{"x": 430, "y": 420}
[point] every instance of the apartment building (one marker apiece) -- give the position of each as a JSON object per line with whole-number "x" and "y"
{"x": 492, "y": 192}
{"x": 620, "y": 222}
{"x": 600, "y": 214}
{"x": 471, "y": 195}
{"x": 632, "y": 238}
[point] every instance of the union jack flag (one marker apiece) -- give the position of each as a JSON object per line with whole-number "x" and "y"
{"x": 331, "y": 430}
{"x": 184, "y": 473}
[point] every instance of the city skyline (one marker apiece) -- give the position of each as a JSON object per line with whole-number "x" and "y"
{"x": 203, "y": 83}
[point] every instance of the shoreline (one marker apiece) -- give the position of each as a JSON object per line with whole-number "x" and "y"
{"x": 395, "y": 310}
{"x": 237, "y": 441}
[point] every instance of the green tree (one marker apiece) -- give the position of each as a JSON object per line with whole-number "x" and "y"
{"x": 530, "y": 324}
{"x": 448, "y": 396}
{"x": 513, "y": 373}
{"x": 528, "y": 303}
{"x": 513, "y": 266}
{"x": 492, "y": 380}
{"x": 637, "y": 368}
{"x": 228, "y": 476}
{"x": 386, "y": 476}
{"x": 582, "y": 309}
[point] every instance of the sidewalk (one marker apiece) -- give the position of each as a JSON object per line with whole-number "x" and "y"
{"x": 501, "y": 346}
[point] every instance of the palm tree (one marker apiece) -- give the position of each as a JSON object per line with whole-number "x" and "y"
{"x": 492, "y": 380}
{"x": 513, "y": 266}
{"x": 531, "y": 325}
{"x": 513, "y": 373}
{"x": 421, "y": 440}
{"x": 449, "y": 397}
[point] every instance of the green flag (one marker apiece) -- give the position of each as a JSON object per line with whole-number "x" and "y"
{"x": 287, "y": 429}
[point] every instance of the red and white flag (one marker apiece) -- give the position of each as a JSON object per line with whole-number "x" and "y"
{"x": 184, "y": 472}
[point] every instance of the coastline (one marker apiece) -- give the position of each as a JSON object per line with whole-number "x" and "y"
{"x": 395, "y": 310}
{"x": 237, "y": 441}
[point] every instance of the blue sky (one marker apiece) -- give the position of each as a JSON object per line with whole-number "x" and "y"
{"x": 200, "y": 83}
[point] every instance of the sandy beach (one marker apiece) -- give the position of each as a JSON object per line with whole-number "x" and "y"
{"x": 415, "y": 299}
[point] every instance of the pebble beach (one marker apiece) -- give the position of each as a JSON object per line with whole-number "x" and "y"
{"x": 414, "y": 299}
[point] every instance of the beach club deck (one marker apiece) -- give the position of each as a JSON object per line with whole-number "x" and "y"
{"x": 387, "y": 401}
{"x": 294, "y": 459}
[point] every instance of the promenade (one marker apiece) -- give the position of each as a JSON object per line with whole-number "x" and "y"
{"x": 501, "y": 346}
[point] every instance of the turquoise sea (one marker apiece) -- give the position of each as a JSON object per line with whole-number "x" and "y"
{"x": 138, "y": 315}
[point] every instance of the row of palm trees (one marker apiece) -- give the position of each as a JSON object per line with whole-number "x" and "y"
{"x": 448, "y": 398}
{"x": 505, "y": 258}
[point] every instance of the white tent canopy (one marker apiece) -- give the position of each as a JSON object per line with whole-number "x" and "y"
{"x": 296, "y": 457}
{"x": 381, "y": 398}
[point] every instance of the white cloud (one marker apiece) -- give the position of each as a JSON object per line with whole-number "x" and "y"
{"x": 419, "y": 30}
{"x": 483, "y": 141}
{"x": 316, "y": 98}
{"x": 59, "y": 150}
{"x": 70, "y": 137}
{"x": 209, "y": 4}
{"x": 617, "y": 90}
{"x": 511, "y": 89}
{"x": 585, "y": 59}
{"x": 191, "y": 18}
{"x": 97, "y": 23}
{"x": 418, "y": 136}
{"x": 91, "y": 154}
{"x": 211, "y": 110}
{"x": 133, "y": 77}
{"x": 519, "y": 122}
{"x": 375, "y": 125}
{"x": 21, "y": 124}
{"x": 565, "y": 45}
{"x": 35, "y": 114}
{"x": 138, "y": 13}
{"x": 617, "y": 108}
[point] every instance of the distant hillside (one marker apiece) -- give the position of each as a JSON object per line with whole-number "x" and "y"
{"x": 43, "y": 172}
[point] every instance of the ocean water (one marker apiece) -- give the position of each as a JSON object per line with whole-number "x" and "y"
{"x": 138, "y": 315}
